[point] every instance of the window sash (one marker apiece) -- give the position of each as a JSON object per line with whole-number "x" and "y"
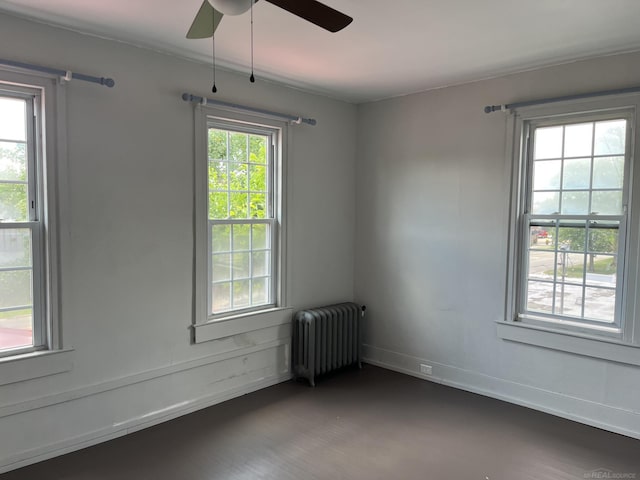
{"x": 271, "y": 220}
{"x": 37, "y": 285}
{"x": 588, "y": 223}
{"x": 557, "y": 220}
{"x": 270, "y": 274}
{"x": 33, "y": 223}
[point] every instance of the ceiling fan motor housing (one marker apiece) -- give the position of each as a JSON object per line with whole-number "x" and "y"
{"x": 231, "y": 7}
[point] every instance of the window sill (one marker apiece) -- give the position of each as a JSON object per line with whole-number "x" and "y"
{"x": 35, "y": 365}
{"x": 570, "y": 342}
{"x": 242, "y": 323}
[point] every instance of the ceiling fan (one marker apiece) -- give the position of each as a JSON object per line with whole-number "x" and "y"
{"x": 211, "y": 12}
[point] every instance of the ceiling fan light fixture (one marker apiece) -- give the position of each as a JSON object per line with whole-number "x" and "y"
{"x": 231, "y": 7}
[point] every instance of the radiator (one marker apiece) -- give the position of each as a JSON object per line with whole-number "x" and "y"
{"x": 326, "y": 339}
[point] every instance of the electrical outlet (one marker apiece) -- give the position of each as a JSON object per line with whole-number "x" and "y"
{"x": 426, "y": 369}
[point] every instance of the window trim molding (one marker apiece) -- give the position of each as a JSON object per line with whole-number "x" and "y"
{"x": 29, "y": 366}
{"x": 629, "y": 332}
{"x": 207, "y": 327}
{"x": 570, "y": 342}
{"x": 55, "y": 356}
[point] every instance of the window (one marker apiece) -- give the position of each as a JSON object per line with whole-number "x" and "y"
{"x": 23, "y": 311}
{"x": 574, "y": 211}
{"x": 242, "y": 223}
{"x": 239, "y": 215}
{"x": 21, "y": 325}
{"x": 574, "y": 247}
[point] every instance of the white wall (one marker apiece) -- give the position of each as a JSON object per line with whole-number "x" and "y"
{"x": 128, "y": 243}
{"x": 432, "y": 205}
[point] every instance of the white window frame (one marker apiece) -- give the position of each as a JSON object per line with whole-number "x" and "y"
{"x": 51, "y": 352}
{"x": 35, "y": 211}
{"x": 616, "y": 341}
{"x": 207, "y": 326}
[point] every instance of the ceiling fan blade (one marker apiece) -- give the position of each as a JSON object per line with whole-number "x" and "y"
{"x": 206, "y": 21}
{"x": 315, "y": 12}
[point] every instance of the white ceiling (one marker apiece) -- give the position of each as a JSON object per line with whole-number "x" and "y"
{"x": 393, "y": 47}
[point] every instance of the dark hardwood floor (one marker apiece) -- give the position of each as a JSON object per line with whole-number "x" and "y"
{"x": 367, "y": 424}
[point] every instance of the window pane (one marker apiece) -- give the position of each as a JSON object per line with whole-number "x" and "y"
{"x": 241, "y": 265}
{"x": 575, "y": 203}
{"x": 539, "y": 297}
{"x": 570, "y": 267}
{"x": 13, "y": 125}
{"x": 241, "y": 296}
{"x": 607, "y": 202}
{"x": 15, "y": 248}
{"x": 15, "y": 288}
{"x": 239, "y": 207}
{"x": 13, "y": 202}
{"x": 260, "y": 238}
{"x": 257, "y": 178}
{"x": 258, "y": 205}
{"x": 16, "y": 329}
{"x": 221, "y": 238}
{"x": 548, "y": 143}
{"x": 238, "y": 147}
{"x": 217, "y": 144}
{"x": 603, "y": 240}
{"x": 257, "y": 149}
{"x": 578, "y": 140}
{"x": 218, "y": 176}
{"x": 238, "y": 175}
{"x": 572, "y": 238}
{"x": 545, "y": 203}
{"x": 260, "y": 264}
{"x": 568, "y": 300}
{"x": 221, "y": 297}
{"x": 541, "y": 264}
{"x": 576, "y": 174}
{"x": 13, "y": 161}
{"x": 218, "y": 206}
{"x": 241, "y": 235}
{"x": 542, "y": 238}
{"x": 546, "y": 175}
{"x": 608, "y": 172}
{"x": 610, "y": 137}
{"x": 601, "y": 270}
{"x": 260, "y": 291}
{"x": 600, "y": 304}
{"x": 221, "y": 267}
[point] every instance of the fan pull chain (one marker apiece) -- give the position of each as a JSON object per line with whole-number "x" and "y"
{"x": 252, "y": 78}
{"x": 214, "y": 89}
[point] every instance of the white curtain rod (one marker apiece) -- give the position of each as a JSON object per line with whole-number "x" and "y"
{"x": 63, "y": 74}
{"x": 580, "y": 96}
{"x": 187, "y": 97}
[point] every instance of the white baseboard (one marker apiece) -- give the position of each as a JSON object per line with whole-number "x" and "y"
{"x": 133, "y": 425}
{"x": 606, "y": 417}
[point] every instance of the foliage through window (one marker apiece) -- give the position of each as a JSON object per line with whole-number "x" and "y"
{"x": 574, "y": 208}
{"x": 242, "y": 223}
